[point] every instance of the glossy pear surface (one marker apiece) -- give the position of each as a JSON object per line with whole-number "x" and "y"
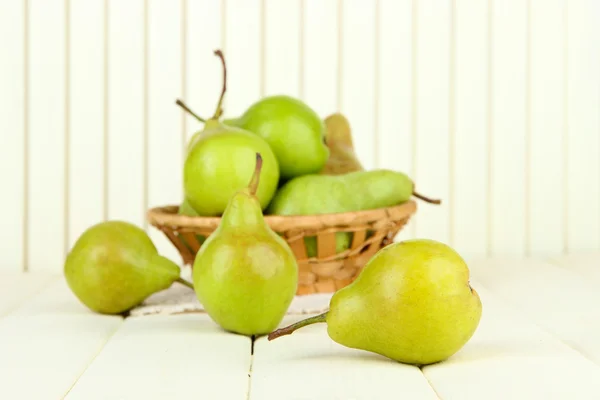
{"x": 294, "y": 131}
{"x": 221, "y": 162}
{"x": 412, "y": 303}
{"x": 114, "y": 266}
{"x": 245, "y": 275}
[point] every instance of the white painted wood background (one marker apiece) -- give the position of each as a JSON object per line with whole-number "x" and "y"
{"x": 494, "y": 106}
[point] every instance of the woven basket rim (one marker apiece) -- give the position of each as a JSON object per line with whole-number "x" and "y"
{"x": 167, "y": 216}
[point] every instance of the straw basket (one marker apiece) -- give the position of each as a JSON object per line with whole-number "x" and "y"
{"x": 326, "y": 271}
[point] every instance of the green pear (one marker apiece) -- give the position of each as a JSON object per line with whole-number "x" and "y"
{"x": 220, "y": 161}
{"x": 186, "y": 209}
{"x": 294, "y": 131}
{"x": 342, "y": 156}
{"x": 352, "y": 191}
{"x": 412, "y": 303}
{"x": 245, "y": 275}
{"x": 114, "y": 266}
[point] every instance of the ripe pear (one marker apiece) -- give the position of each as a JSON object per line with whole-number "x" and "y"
{"x": 353, "y": 191}
{"x": 210, "y": 174}
{"x": 245, "y": 275}
{"x": 342, "y": 157}
{"x": 411, "y": 303}
{"x": 114, "y": 266}
{"x": 294, "y": 131}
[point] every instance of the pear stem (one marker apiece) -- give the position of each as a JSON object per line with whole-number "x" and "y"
{"x": 427, "y": 199}
{"x": 253, "y": 186}
{"x": 219, "y": 110}
{"x": 186, "y": 108}
{"x": 288, "y": 330}
{"x": 185, "y": 283}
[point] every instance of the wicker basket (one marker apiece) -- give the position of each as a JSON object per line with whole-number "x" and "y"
{"x": 327, "y": 271}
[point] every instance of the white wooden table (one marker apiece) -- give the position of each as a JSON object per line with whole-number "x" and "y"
{"x": 539, "y": 338}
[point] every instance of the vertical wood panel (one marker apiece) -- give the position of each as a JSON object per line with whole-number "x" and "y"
{"x": 282, "y": 47}
{"x": 12, "y": 128}
{"x": 432, "y": 116}
{"x": 394, "y": 112}
{"x": 86, "y": 116}
{"x": 243, "y": 24}
{"x": 164, "y": 117}
{"x": 469, "y": 150}
{"x": 358, "y": 75}
{"x": 320, "y": 62}
{"x": 583, "y": 115}
{"x": 126, "y": 111}
{"x": 203, "y": 72}
{"x": 509, "y": 93}
{"x": 46, "y": 152}
{"x": 546, "y": 159}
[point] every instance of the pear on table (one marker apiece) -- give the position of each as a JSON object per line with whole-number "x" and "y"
{"x": 220, "y": 161}
{"x": 114, "y": 266}
{"x": 411, "y": 303}
{"x": 245, "y": 275}
{"x": 294, "y": 131}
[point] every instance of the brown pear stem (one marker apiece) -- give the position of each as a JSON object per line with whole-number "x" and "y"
{"x": 185, "y": 283}
{"x": 288, "y": 330}
{"x": 219, "y": 110}
{"x": 186, "y": 108}
{"x": 253, "y": 186}
{"x": 427, "y": 199}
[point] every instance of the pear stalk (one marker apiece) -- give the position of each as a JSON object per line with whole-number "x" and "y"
{"x": 253, "y": 186}
{"x": 426, "y": 199}
{"x": 186, "y": 108}
{"x": 185, "y": 283}
{"x": 219, "y": 110}
{"x": 288, "y": 330}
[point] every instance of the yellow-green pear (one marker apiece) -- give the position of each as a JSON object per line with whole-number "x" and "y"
{"x": 114, "y": 266}
{"x": 412, "y": 303}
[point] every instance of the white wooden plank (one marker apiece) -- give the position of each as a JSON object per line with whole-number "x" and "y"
{"x": 469, "y": 151}
{"x": 282, "y": 47}
{"x": 583, "y": 146}
{"x": 126, "y": 111}
{"x": 12, "y": 126}
{"x": 56, "y": 298}
{"x": 546, "y": 205}
{"x": 243, "y": 55}
{"x": 165, "y": 129}
{"x": 320, "y": 56}
{"x": 508, "y": 115}
{"x": 203, "y": 72}
{"x": 509, "y": 357}
{"x": 358, "y": 75}
{"x": 585, "y": 264}
{"x": 17, "y": 287}
{"x": 86, "y": 116}
{"x": 168, "y": 357}
{"x": 560, "y": 301}
{"x": 328, "y": 370}
{"x": 53, "y": 349}
{"x": 431, "y": 131}
{"x": 393, "y": 116}
{"x": 46, "y": 142}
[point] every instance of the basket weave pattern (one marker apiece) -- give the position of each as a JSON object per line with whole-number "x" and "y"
{"x": 326, "y": 271}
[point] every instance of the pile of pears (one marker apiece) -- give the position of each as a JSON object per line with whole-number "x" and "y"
{"x": 412, "y": 302}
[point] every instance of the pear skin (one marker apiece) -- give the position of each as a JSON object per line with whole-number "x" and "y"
{"x": 411, "y": 303}
{"x": 245, "y": 275}
{"x": 114, "y": 266}
{"x": 338, "y": 137}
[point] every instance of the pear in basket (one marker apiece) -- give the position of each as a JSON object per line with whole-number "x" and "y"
{"x": 342, "y": 157}
{"x": 186, "y": 209}
{"x": 114, "y": 266}
{"x": 245, "y": 275}
{"x": 294, "y": 131}
{"x": 412, "y": 303}
{"x": 220, "y": 161}
{"x": 353, "y": 191}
